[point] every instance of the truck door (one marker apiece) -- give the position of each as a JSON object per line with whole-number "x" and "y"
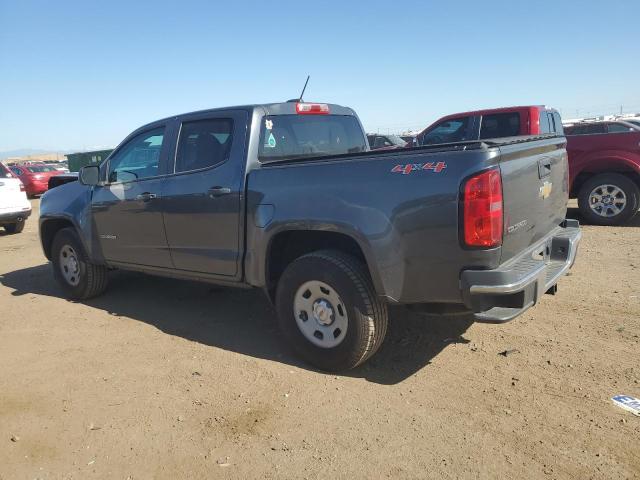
{"x": 126, "y": 209}
{"x": 202, "y": 197}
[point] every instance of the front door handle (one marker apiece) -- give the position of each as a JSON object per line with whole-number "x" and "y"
{"x": 219, "y": 191}
{"x": 146, "y": 196}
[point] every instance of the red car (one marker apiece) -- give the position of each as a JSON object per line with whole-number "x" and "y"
{"x": 604, "y": 169}
{"x": 493, "y": 123}
{"x": 35, "y": 177}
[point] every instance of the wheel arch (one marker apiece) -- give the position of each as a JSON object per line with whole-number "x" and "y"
{"x": 50, "y": 226}
{"x": 286, "y": 245}
{"x": 602, "y": 165}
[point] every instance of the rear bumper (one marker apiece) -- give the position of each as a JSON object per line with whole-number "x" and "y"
{"x": 36, "y": 188}
{"x": 14, "y": 217}
{"x": 500, "y": 295}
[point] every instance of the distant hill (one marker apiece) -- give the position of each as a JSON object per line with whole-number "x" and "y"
{"x": 30, "y": 152}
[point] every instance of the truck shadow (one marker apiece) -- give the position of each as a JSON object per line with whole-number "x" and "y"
{"x": 244, "y": 321}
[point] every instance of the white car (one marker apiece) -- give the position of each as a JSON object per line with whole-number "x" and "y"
{"x": 14, "y": 205}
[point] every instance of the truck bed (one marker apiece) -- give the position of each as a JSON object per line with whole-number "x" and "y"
{"x": 402, "y": 206}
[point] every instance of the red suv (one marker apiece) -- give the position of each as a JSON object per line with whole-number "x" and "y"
{"x": 494, "y": 123}
{"x": 604, "y": 168}
{"x": 35, "y": 177}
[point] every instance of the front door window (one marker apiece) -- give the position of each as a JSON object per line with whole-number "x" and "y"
{"x": 137, "y": 159}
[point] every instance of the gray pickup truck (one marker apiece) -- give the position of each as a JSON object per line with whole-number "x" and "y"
{"x": 288, "y": 198}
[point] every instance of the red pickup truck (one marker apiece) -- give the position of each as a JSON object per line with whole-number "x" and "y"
{"x": 604, "y": 170}
{"x": 493, "y": 123}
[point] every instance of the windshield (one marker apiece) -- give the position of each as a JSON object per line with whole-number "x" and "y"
{"x": 40, "y": 169}
{"x": 448, "y": 131}
{"x": 285, "y": 137}
{"x": 396, "y": 140}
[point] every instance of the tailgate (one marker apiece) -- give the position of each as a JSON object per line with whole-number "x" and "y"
{"x": 535, "y": 191}
{"x": 10, "y": 194}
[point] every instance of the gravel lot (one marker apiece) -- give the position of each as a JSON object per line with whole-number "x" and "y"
{"x": 162, "y": 378}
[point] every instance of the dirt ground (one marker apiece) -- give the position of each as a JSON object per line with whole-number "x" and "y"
{"x": 162, "y": 378}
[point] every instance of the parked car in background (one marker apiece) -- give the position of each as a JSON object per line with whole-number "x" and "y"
{"x": 279, "y": 197}
{"x": 35, "y": 177}
{"x": 493, "y": 123}
{"x": 598, "y": 127}
{"x": 14, "y": 205}
{"x": 377, "y": 141}
{"x": 410, "y": 139}
{"x": 604, "y": 168}
{"x": 58, "y": 165}
{"x": 61, "y": 167}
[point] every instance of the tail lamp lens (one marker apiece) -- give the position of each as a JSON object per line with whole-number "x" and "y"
{"x": 483, "y": 210}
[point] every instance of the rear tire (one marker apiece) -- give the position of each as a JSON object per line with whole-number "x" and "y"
{"x": 612, "y": 187}
{"x": 12, "y": 228}
{"x": 79, "y": 278}
{"x": 346, "y": 321}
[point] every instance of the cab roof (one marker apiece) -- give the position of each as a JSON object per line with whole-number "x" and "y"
{"x": 278, "y": 108}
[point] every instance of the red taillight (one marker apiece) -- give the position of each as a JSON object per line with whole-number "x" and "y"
{"x": 312, "y": 108}
{"x": 22, "y": 189}
{"x": 482, "y": 210}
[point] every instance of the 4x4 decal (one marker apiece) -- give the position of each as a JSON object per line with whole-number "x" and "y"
{"x": 415, "y": 167}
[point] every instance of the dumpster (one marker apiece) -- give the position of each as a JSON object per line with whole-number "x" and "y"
{"x": 81, "y": 159}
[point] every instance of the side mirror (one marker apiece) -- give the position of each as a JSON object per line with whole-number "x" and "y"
{"x": 89, "y": 175}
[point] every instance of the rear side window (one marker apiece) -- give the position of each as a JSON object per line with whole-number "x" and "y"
{"x": 381, "y": 141}
{"x": 545, "y": 126}
{"x": 558, "y": 123}
{"x": 585, "y": 129}
{"x": 618, "y": 128}
{"x": 500, "y": 125}
{"x": 448, "y": 131}
{"x": 204, "y": 144}
{"x": 286, "y": 137}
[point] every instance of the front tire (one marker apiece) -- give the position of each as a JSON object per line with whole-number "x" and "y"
{"x": 608, "y": 199}
{"x": 329, "y": 311}
{"x": 79, "y": 278}
{"x": 12, "y": 228}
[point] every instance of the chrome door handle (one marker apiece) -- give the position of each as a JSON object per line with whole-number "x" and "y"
{"x": 219, "y": 191}
{"x": 145, "y": 197}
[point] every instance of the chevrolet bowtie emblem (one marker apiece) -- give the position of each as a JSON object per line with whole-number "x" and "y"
{"x": 545, "y": 189}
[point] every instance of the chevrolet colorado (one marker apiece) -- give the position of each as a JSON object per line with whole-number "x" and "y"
{"x": 288, "y": 198}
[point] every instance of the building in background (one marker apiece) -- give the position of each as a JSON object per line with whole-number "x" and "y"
{"x": 36, "y": 157}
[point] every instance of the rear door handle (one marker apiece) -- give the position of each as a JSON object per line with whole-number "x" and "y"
{"x": 219, "y": 191}
{"x": 146, "y": 196}
{"x": 544, "y": 167}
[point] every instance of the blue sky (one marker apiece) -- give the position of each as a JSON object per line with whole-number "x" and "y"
{"x": 77, "y": 74}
